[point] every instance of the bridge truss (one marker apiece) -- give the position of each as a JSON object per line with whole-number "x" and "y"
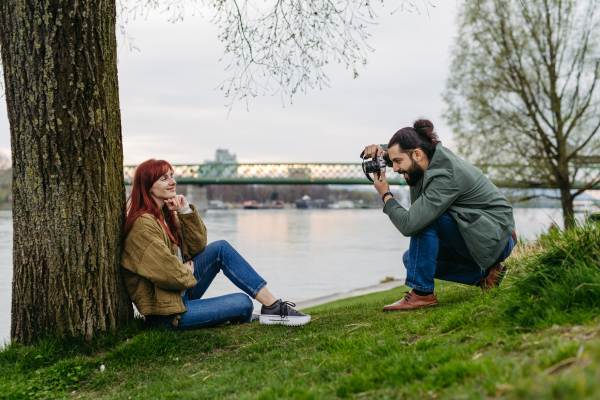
{"x": 331, "y": 174}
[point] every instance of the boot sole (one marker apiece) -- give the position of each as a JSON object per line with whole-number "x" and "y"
{"x": 411, "y": 309}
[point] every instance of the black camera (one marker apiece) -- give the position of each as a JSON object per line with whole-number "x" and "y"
{"x": 374, "y": 166}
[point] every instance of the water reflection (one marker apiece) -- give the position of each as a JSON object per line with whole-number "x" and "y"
{"x": 6, "y": 230}
{"x": 302, "y": 254}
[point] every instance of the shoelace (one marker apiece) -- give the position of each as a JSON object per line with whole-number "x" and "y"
{"x": 283, "y": 308}
{"x": 408, "y": 296}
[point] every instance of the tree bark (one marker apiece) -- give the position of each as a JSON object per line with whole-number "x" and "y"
{"x": 566, "y": 200}
{"x": 59, "y": 60}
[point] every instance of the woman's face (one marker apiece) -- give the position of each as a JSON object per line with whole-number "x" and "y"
{"x": 164, "y": 187}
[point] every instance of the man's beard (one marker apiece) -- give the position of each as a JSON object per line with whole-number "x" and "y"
{"x": 415, "y": 173}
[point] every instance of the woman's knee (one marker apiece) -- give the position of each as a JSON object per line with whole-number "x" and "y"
{"x": 221, "y": 244}
{"x": 242, "y": 301}
{"x": 217, "y": 247}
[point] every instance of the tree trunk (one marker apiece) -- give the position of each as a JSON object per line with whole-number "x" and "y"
{"x": 566, "y": 200}
{"x": 59, "y": 59}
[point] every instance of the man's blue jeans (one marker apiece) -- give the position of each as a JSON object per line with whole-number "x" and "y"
{"x": 440, "y": 252}
{"x": 236, "y": 307}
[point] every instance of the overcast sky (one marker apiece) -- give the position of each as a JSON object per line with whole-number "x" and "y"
{"x": 171, "y": 107}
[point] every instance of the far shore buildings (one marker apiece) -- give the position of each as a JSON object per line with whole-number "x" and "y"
{"x": 222, "y": 156}
{"x": 221, "y": 166}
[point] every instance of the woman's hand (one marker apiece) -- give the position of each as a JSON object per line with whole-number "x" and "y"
{"x": 189, "y": 265}
{"x": 176, "y": 203}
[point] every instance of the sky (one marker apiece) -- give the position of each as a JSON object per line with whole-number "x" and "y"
{"x": 171, "y": 107}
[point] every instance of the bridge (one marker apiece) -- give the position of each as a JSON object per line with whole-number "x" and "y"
{"x": 332, "y": 174}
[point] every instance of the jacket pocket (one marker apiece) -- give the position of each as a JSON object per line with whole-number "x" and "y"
{"x": 478, "y": 228}
{"x": 465, "y": 220}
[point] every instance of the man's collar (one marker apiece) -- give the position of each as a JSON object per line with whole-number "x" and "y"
{"x": 436, "y": 156}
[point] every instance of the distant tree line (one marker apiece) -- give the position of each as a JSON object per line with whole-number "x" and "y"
{"x": 286, "y": 193}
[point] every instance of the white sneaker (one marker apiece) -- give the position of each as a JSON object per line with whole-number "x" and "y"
{"x": 282, "y": 313}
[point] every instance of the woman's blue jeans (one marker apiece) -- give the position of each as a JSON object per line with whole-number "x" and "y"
{"x": 204, "y": 313}
{"x": 440, "y": 252}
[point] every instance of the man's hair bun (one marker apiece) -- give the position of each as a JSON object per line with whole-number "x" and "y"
{"x": 420, "y": 136}
{"x": 424, "y": 128}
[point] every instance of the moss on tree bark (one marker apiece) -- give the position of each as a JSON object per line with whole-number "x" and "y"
{"x": 59, "y": 60}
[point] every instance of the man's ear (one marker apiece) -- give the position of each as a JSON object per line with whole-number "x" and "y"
{"x": 418, "y": 155}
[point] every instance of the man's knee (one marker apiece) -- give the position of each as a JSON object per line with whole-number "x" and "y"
{"x": 405, "y": 258}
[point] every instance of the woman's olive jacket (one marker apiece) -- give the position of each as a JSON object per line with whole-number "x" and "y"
{"x": 153, "y": 274}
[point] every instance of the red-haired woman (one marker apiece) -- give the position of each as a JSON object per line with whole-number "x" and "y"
{"x": 167, "y": 265}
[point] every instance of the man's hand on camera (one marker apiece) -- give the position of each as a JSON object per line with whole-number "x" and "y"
{"x": 382, "y": 186}
{"x": 374, "y": 150}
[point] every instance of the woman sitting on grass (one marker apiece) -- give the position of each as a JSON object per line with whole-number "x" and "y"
{"x": 167, "y": 266}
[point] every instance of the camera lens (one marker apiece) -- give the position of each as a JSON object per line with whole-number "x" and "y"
{"x": 370, "y": 167}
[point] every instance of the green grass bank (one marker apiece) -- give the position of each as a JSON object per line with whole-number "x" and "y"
{"x": 536, "y": 337}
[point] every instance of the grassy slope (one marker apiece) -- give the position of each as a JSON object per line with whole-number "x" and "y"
{"x": 367, "y": 298}
{"x": 467, "y": 348}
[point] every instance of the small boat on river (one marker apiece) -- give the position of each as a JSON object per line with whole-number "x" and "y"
{"x": 307, "y": 202}
{"x": 251, "y": 205}
{"x": 255, "y": 205}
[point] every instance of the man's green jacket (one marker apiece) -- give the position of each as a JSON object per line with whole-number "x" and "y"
{"x": 484, "y": 215}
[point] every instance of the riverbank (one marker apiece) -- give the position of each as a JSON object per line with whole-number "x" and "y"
{"x": 536, "y": 337}
{"x": 303, "y": 254}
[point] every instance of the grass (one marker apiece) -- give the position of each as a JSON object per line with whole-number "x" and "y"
{"x": 475, "y": 345}
{"x": 560, "y": 282}
{"x": 396, "y": 292}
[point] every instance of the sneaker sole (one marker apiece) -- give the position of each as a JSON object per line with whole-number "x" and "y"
{"x": 288, "y": 321}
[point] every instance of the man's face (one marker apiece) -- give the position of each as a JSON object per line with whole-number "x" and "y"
{"x": 406, "y": 165}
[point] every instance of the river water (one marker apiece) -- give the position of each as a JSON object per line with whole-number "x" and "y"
{"x": 303, "y": 254}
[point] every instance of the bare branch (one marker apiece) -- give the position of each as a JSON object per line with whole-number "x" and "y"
{"x": 594, "y": 183}
{"x": 523, "y": 90}
{"x": 281, "y": 46}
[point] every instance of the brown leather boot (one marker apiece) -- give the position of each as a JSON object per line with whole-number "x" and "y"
{"x": 412, "y": 301}
{"x": 497, "y": 272}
